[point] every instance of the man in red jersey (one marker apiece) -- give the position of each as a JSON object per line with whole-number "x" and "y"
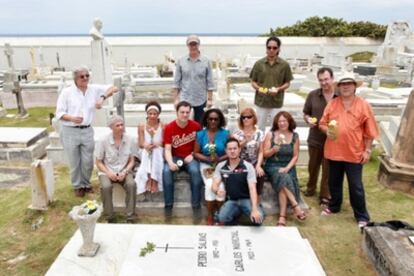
{"x": 179, "y": 139}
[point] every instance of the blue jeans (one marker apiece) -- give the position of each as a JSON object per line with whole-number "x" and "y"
{"x": 232, "y": 209}
{"x": 193, "y": 168}
{"x": 199, "y": 112}
{"x": 355, "y": 186}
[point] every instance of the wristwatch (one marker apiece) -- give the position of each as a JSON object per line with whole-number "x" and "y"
{"x": 103, "y": 97}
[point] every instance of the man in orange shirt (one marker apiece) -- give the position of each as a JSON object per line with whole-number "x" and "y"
{"x": 350, "y": 126}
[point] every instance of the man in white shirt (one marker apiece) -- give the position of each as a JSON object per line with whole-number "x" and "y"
{"x": 75, "y": 108}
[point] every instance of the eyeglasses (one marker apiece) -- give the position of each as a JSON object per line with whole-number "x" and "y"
{"x": 272, "y": 48}
{"x": 213, "y": 119}
{"x": 84, "y": 76}
{"x": 246, "y": 117}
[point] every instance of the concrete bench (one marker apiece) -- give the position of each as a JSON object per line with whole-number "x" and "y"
{"x": 153, "y": 204}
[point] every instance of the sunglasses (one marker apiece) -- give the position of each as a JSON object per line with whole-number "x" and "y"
{"x": 272, "y": 48}
{"x": 213, "y": 119}
{"x": 246, "y": 117}
{"x": 84, "y": 76}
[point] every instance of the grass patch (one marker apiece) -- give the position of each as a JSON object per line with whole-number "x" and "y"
{"x": 336, "y": 239}
{"x": 38, "y": 117}
{"x": 362, "y": 56}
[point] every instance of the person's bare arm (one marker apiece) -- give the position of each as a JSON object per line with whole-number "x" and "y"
{"x": 169, "y": 158}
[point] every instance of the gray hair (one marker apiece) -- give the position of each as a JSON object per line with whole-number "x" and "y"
{"x": 79, "y": 69}
{"x": 114, "y": 119}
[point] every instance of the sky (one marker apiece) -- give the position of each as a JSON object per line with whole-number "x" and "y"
{"x": 187, "y": 16}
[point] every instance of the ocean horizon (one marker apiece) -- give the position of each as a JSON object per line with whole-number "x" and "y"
{"x": 134, "y": 34}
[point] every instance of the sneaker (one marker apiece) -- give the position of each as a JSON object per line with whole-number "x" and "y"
{"x": 326, "y": 212}
{"x": 324, "y": 203}
{"x": 362, "y": 224}
{"x": 168, "y": 212}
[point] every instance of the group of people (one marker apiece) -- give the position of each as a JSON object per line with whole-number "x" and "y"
{"x": 230, "y": 168}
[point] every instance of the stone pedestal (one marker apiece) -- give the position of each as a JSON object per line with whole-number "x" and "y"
{"x": 86, "y": 225}
{"x": 397, "y": 169}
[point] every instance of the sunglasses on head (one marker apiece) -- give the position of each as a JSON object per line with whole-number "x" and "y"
{"x": 272, "y": 47}
{"x": 86, "y": 76}
{"x": 246, "y": 117}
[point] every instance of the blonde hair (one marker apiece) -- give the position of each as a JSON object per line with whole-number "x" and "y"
{"x": 252, "y": 112}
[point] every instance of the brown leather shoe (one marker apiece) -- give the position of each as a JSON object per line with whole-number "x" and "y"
{"x": 88, "y": 189}
{"x": 79, "y": 192}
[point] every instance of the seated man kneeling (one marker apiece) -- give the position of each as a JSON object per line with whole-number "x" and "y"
{"x": 115, "y": 161}
{"x": 239, "y": 180}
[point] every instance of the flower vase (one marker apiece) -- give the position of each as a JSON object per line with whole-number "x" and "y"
{"x": 86, "y": 223}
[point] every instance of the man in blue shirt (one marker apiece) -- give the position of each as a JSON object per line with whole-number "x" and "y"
{"x": 193, "y": 79}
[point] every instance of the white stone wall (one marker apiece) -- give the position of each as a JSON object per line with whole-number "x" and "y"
{"x": 74, "y": 51}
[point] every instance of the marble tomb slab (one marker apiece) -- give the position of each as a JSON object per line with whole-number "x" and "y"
{"x": 191, "y": 250}
{"x": 20, "y": 137}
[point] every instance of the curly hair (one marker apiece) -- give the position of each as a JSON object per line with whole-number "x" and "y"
{"x": 222, "y": 120}
{"x": 289, "y": 118}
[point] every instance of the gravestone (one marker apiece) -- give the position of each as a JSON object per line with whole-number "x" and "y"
{"x": 391, "y": 252}
{"x": 12, "y": 82}
{"x": 397, "y": 169}
{"x": 42, "y": 184}
{"x": 22, "y": 144}
{"x": 191, "y": 250}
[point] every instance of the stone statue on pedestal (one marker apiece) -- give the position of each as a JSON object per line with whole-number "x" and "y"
{"x": 8, "y": 51}
{"x": 95, "y": 31}
{"x": 101, "y": 56}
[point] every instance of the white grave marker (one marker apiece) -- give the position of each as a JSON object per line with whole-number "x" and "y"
{"x": 192, "y": 250}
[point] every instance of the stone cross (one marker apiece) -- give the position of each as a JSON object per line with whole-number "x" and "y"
{"x": 58, "y": 59}
{"x": 8, "y": 51}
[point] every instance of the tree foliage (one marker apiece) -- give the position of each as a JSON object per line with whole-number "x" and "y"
{"x": 331, "y": 27}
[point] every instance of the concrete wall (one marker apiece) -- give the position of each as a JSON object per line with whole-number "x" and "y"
{"x": 150, "y": 50}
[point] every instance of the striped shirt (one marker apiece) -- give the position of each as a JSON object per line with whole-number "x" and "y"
{"x": 193, "y": 78}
